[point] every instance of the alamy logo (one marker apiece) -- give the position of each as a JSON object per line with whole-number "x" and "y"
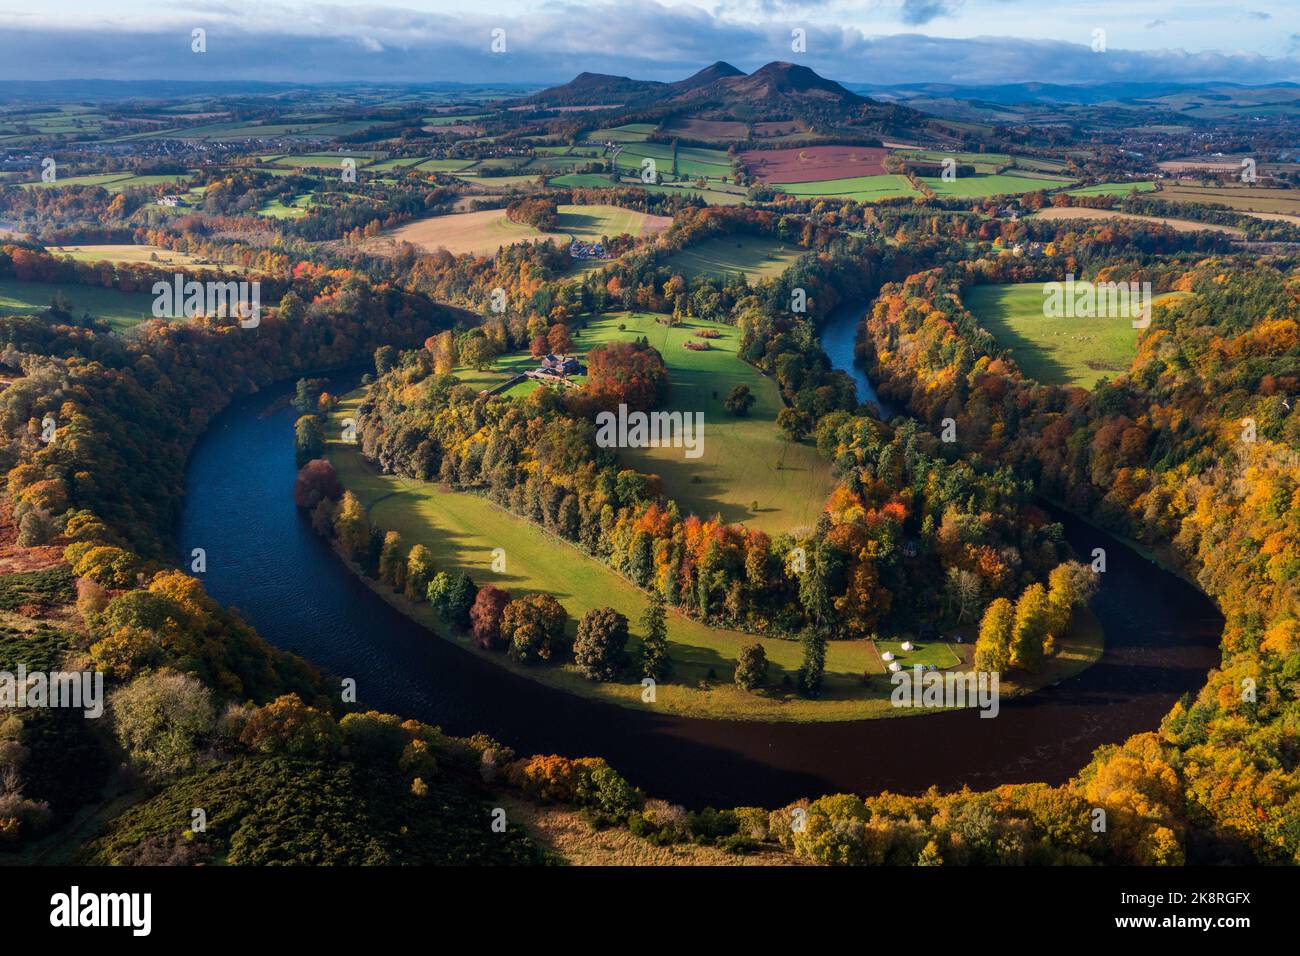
{"x": 74, "y": 908}
{"x": 191, "y": 298}
{"x": 79, "y": 690}
{"x": 1090, "y": 300}
{"x": 651, "y": 430}
{"x": 922, "y": 688}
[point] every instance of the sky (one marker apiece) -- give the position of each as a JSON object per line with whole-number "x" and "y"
{"x": 878, "y": 42}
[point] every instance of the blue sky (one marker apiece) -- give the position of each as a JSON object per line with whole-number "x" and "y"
{"x": 869, "y": 41}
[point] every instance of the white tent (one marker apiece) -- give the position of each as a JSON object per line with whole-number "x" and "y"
{"x": 907, "y": 646}
{"x": 894, "y": 667}
{"x": 887, "y": 656}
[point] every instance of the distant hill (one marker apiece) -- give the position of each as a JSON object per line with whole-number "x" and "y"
{"x": 776, "y": 91}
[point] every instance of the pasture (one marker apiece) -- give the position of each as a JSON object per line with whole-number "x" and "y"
{"x": 1113, "y": 189}
{"x": 755, "y": 256}
{"x": 749, "y": 472}
{"x": 983, "y": 186}
{"x": 1055, "y": 350}
{"x": 154, "y": 255}
{"x": 121, "y": 310}
{"x": 858, "y": 188}
{"x": 691, "y": 161}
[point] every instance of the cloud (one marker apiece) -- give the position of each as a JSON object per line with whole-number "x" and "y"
{"x": 916, "y": 12}
{"x": 555, "y": 41}
{"x": 1155, "y": 23}
{"x": 1259, "y": 15}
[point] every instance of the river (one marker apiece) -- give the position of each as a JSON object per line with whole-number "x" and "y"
{"x": 264, "y": 560}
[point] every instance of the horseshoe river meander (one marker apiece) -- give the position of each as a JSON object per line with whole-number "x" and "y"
{"x": 264, "y": 559}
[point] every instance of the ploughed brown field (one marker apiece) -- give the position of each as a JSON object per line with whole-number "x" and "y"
{"x": 696, "y": 128}
{"x": 814, "y": 164}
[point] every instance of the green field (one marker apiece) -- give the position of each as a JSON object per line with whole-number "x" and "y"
{"x": 857, "y": 188}
{"x": 584, "y": 181}
{"x": 983, "y": 162}
{"x": 1004, "y": 184}
{"x": 295, "y": 208}
{"x": 106, "y": 252}
{"x": 755, "y": 256}
{"x": 691, "y": 161}
{"x": 1112, "y": 189}
{"x": 120, "y": 309}
{"x": 1055, "y": 350}
{"x": 325, "y": 161}
{"x": 629, "y": 133}
{"x": 113, "y": 182}
{"x": 746, "y": 461}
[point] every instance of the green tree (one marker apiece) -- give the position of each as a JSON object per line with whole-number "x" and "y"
{"x": 385, "y": 359}
{"x": 739, "y": 401}
{"x": 655, "y": 661}
{"x": 751, "y": 666}
{"x": 308, "y": 441}
{"x": 813, "y": 668}
{"x": 161, "y": 719}
{"x": 794, "y": 423}
{"x": 599, "y": 649}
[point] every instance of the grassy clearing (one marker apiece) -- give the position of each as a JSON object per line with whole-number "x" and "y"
{"x": 756, "y": 256}
{"x": 628, "y": 133}
{"x": 746, "y": 461}
{"x": 121, "y": 310}
{"x": 113, "y": 182}
{"x": 1055, "y": 350}
{"x": 154, "y": 255}
{"x": 1002, "y": 184}
{"x": 983, "y": 162}
{"x": 1112, "y": 189}
{"x": 857, "y": 188}
{"x": 295, "y": 208}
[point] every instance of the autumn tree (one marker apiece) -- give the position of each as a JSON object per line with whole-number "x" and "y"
{"x": 485, "y": 616}
{"x": 532, "y": 628}
{"x": 316, "y": 481}
{"x": 392, "y": 561}
{"x": 352, "y": 527}
{"x": 993, "y": 647}
{"x": 419, "y": 571}
{"x": 1030, "y": 628}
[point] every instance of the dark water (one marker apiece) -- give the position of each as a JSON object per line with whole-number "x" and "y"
{"x": 838, "y": 336}
{"x": 264, "y": 559}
